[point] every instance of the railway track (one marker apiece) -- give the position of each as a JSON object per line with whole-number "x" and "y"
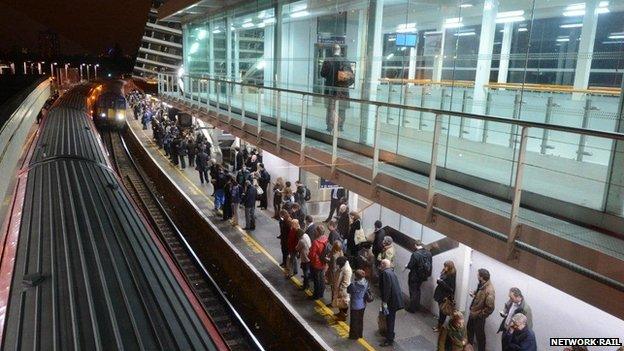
{"x": 236, "y": 334}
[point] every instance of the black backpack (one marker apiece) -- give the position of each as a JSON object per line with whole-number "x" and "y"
{"x": 308, "y": 194}
{"x": 425, "y": 271}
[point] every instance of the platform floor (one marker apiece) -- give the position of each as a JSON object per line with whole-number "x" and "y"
{"x": 261, "y": 247}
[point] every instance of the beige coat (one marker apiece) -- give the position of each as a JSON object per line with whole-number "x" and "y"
{"x": 342, "y": 279}
{"x": 483, "y": 303}
{"x": 387, "y": 254}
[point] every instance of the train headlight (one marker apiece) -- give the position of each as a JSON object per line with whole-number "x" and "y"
{"x": 102, "y": 114}
{"x": 119, "y": 116}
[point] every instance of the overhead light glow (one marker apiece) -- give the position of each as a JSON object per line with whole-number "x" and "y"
{"x": 510, "y": 14}
{"x": 563, "y": 39}
{"x": 247, "y": 20}
{"x": 455, "y": 22}
{"x": 202, "y": 34}
{"x": 571, "y": 25}
{"x": 269, "y": 20}
{"x": 194, "y": 48}
{"x": 465, "y": 6}
{"x": 247, "y": 25}
{"x": 465, "y": 34}
{"x": 298, "y": 7}
{"x": 578, "y": 10}
{"x": 510, "y": 19}
{"x": 216, "y": 31}
{"x": 390, "y": 56}
{"x": 616, "y": 36}
{"x": 523, "y": 29}
{"x": 299, "y": 14}
{"x": 406, "y": 28}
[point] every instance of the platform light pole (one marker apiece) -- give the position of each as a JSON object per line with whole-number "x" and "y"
{"x": 88, "y": 72}
{"x": 25, "y": 72}
{"x": 81, "y": 71}
{"x": 66, "y": 75}
{"x": 52, "y": 64}
{"x": 39, "y": 67}
{"x": 96, "y": 66}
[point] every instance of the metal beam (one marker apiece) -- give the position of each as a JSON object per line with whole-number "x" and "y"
{"x": 514, "y": 227}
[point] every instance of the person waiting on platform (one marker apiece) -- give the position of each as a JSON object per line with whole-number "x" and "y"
{"x": 332, "y": 269}
{"x": 444, "y": 293}
{"x": 291, "y": 244}
{"x": 453, "y": 337}
{"x": 236, "y": 195}
{"x": 343, "y": 222}
{"x": 388, "y": 251}
{"x": 284, "y": 228}
{"x": 420, "y": 270}
{"x": 360, "y": 296}
{"x": 515, "y": 304}
{"x": 519, "y": 336}
{"x": 317, "y": 262}
{"x": 342, "y": 279}
{"x": 201, "y": 165}
{"x": 336, "y": 197}
{"x": 278, "y": 187}
{"x": 249, "y": 200}
{"x": 302, "y": 196}
{"x": 391, "y": 299}
{"x": 303, "y": 250}
{"x": 264, "y": 179}
{"x": 482, "y": 306}
{"x": 338, "y": 77}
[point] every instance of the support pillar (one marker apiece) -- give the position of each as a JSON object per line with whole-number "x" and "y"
{"x": 372, "y": 69}
{"x": 484, "y": 62}
{"x": 614, "y": 192}
{"x": 586, "y": 47}
{"x": 228, "y": 47}
{"x": 503, "y": 64}
{"x": 438, "y": 60}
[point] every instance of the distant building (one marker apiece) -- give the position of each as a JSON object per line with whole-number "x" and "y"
{"x": 161, "y": 46}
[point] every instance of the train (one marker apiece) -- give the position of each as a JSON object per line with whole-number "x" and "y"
{"x": 108, "y": 104}
{"x": 81, "y": 266}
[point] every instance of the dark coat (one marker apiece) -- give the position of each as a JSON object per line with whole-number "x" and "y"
{"x": 378, "y": 241}
{"x": 311, "y": 230}
{"x": 201, "y": 161}
{"x": 524, "y": 308}
{"x": 445, "y": 287}
{"x": 416, "y": 266}
{"x": 249, "y": 196}
{"x": 329, "y": 71}
{"x": 390, "y": 290}
{"x": 340, "y": 193}
{"x": 519, "y": 340}
{"x": 343, "y": 224}
{"x": 264, "y": 180}
{"x": 239, "y": 160}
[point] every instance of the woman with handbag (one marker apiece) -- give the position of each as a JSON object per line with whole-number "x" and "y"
{"x": 454, "y": 337}
{"x": 444, "y": 293}
{"x": 360, "y": 296}
{"x": 342, "y": 279}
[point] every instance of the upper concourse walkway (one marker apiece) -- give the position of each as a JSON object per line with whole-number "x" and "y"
{"x": 494, "y": 186}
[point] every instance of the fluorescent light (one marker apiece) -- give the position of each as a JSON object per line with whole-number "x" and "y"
{"x": 390, "y": 56}
{"x": 523, "y": 29}
{"x": 510, "y": 19}
{"x": 392, "y": 39}
{"x": 616, "y": 36}
{"x": 574, "y": 13}
{"x": 464, "y": 6}
{"x": 216, "y": 31}
{"x": 613, "y": 42}
{"x": 571, "y": 25}
{"x": 269, "y": 20}
{"x": 510, "y": 14}
{"x": 578, "y": 6}
{"x": 247, "y": 20}
{"x": 563, "y": 40}
{"x": 247, "y": 25}
{"x": 455, "y": 22}
{"x": 577, "y": 10}
{"x": 202, "y": 34}
{"x": 603, "y": 4}
{"x": 299, "y": 14}
{"x": 602, "y": 10}
{"x": 298, "y": 7}
{"x": 465, "y": 34}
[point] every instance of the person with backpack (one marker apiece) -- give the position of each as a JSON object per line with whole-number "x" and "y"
{"x": 338, "y": 76}
{"x": 317, "y": 262}
{"x": 420, "y": 270}
{"x": 302, "y": 196}
{"x": 360, "y": 294}
{"x": 249, "y": 199}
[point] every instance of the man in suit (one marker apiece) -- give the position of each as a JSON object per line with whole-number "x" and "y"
{"x": 391, "y": 299}
{"x": 310, "y": 226}
{"x": 335, "y": 200}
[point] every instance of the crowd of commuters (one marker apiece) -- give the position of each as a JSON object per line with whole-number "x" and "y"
{"x": 338, "y": 253}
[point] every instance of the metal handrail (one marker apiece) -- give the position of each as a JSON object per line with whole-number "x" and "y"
{"x": 511, "y": 121}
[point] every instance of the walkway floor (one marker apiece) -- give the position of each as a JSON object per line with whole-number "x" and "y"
{"x": 261, "y": 247}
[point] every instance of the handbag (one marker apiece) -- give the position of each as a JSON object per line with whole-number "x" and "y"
{"x": 345, "y": 78}
{"x": 447, "y": 306}
{"x": 360, "y": 236}
{"x": 259, "y": 190}
{"x": 368, "y": 296}
{"x": 381, "y": 324}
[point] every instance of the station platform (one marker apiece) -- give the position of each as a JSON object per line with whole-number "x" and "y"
{"x": 261, "y": 247}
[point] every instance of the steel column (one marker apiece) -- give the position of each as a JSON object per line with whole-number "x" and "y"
{"x": 583, "y": 139}
{"x": 243, "y": 108}
{"x": 545, "y": 132}
{"x": 488, "y": 103}
{"x": 514, "y": 227}
{"x": 229, "y": 101}
{"x": 437, "y": 130}
{"x": 376, "y": 142}
{"x": 304, "y": 124}
{"x": 218, "y": 98}
{"x": 515, "y": 115}
{"x": 259, "y": 116}
{"x": 462, "y": 120}
{"x": 422, "y": 104}
{"x": 278, "y": 116}
{"x": 335, "y": 134}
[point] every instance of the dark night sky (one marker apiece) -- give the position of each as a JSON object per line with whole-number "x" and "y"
{"x": 85, "y": 26}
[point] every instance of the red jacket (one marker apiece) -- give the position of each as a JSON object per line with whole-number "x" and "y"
{"x": 292, "y": 241}
{"x": 316, "y": 250}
